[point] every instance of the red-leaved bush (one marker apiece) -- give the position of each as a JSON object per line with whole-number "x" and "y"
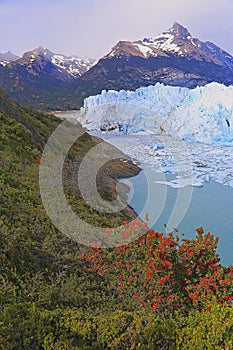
{"x": 163, "y": 272}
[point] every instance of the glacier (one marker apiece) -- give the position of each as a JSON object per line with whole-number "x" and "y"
{"x": 203, "y": 114}
{"x": 184, "y": 132}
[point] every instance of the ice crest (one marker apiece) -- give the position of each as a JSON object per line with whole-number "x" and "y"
{"x": 204, "y": 114}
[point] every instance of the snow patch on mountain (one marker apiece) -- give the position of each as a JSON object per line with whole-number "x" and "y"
{"x": 163, "y": 42}
{"x": 145, "y": 49}
{"x": 74, "y": 65}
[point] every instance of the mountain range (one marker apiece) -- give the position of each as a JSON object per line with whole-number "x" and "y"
{"x": 44, "y": 80}
{"x": 39, "y": 76}
{"x": 66, "y": 67}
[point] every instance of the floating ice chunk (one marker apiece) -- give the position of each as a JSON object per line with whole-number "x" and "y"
{"x": 230, "y": 183}
{"x": 157, "y": 146}
{"x": 196, "y": 183}
{"x": 207, "y": 162}
{"x": 168, "y": 170}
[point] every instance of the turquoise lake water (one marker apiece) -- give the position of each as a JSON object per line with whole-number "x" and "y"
{"x": 211, "y": 207}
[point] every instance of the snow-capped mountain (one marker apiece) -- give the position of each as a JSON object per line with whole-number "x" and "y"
{"x": 203, "y": 114}
{"x": 67, "y": 67}
{"x": 175, "y": 41}
{"x": 174, "y": 58}
{"x": 40, "y": 78}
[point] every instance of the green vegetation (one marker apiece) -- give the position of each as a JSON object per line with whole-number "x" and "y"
{"x": 25, "y": 326}
{"x": 53, "y": 298}
{"x": 37, "y": 263}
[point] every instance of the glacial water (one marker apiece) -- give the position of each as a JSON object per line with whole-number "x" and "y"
{"x": 211, "y": 207}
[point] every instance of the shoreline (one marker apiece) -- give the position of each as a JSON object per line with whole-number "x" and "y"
{"x": 121, "y": 166}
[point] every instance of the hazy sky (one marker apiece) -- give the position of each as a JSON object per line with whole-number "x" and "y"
{"x": 89, "y": 28}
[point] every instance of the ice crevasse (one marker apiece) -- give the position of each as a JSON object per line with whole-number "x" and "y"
{"x": 203, "y": 114}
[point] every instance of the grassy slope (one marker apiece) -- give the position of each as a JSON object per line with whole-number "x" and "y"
{"x": 37, "y": 263}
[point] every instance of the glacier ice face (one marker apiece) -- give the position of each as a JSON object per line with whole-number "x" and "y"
{"x": 204, "y": 114}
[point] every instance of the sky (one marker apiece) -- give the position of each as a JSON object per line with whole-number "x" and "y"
{"x": 90, "y": 28}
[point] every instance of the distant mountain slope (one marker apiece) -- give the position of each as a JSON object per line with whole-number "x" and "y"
{"x": 173, "y": 58}
{"x": 40, "y": 76}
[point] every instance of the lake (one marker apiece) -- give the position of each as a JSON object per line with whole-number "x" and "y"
{"x": 211, "y": 207}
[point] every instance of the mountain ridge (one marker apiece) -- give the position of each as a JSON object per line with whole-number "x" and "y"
{"x": 69, "y": 66}
{"x": 39, "y": 78}
{"x": 53, "y": 82}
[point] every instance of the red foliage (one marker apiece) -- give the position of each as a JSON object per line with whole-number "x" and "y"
{"x": 165, "y": 273}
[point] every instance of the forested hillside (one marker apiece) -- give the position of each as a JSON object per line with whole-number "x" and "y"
{"x": 38, "y": 264}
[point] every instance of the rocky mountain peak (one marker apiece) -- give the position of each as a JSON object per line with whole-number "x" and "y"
{"x": 7, "y": 56}
{"x": 179, "y": 30}
{"x": 36, "y": 53}
{"x": 43, "y": 51}
{"x": 176, "y": 40}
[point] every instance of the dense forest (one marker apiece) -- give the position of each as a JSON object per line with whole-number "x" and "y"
{"x": 158, "y": 292}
